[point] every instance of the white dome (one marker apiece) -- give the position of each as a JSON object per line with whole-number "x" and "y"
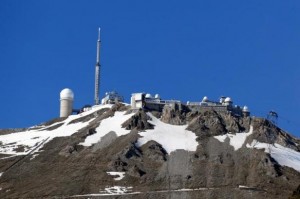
{"x": 67, "y": 94}
{"x": 245, "y": 109}
{"x": 205, "y": 99}
{"x": 157, "y": 96}
{"x": 148, "y": 95}
{"x": 228, "y": 99}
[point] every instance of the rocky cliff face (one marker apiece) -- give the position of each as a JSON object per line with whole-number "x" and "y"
{"x": 115, "y": 152}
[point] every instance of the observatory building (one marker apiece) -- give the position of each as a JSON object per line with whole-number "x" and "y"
{"x": 66, "y": 102}
{"x": 149, "y": 102}
{"x": 225, "y": 104}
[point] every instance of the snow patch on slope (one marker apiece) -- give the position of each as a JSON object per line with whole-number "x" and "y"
{"x": 120, "y": 175}
{"x": 111, "y": 191}
{"x": 171, "y": 137}
{"x": 107, "y": 125}
{"x": 118, "y": 190}
{"x": 236, "y": 140}
{"x": 283, "y": 155}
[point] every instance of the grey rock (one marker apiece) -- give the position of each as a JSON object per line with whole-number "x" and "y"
{"x": 105, "y": 141}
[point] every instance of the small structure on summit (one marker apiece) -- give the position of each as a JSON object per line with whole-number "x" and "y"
{"x": 246, "y": 112}
{"x": 273, "y": 117}
{"x": 112, "y": 98}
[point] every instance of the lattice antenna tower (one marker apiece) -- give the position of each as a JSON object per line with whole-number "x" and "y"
{"x": 273, "y": 117}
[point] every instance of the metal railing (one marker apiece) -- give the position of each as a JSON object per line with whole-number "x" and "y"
{"x": 162, "y": 101}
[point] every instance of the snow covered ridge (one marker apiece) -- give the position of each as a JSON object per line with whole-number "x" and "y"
{"x": 283, "y": 155}
{"x": 171, "y": 137}
{"x": 30, "y": 141}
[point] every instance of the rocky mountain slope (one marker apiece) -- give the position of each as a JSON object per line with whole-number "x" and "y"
{"x": 115, "y": 152}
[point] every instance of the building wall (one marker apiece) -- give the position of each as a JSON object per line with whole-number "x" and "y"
{"x": 66, "y": 107}
{"x": 154, "y": 106}
{"x": 208, "y": 108}
{"x": 217, "y": 108}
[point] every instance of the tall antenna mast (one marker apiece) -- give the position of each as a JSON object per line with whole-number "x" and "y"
{"x": 97, "y": 74}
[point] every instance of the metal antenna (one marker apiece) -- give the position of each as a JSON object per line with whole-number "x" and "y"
{"x": 97, "y": 74}
{"x": 273, "y": 117}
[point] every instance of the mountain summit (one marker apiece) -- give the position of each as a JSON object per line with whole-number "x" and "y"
{"x": 114, "y": 151}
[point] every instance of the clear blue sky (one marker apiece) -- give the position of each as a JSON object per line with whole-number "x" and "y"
{"x": 184, "y": 50}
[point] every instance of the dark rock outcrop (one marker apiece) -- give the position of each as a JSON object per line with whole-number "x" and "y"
{"x": 267, "y": 132}
{"x": 154, "y": 151}
{"x": 211, "y": 123}
{"x": 139, "y": 121}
